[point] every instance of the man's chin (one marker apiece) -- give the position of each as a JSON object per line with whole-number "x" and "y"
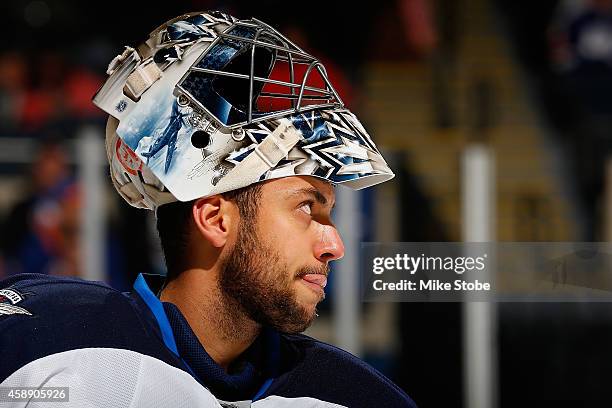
{"x": 309, "y": 293}
{"x": 295, "y": 327}
{"x": 298, "y": 322}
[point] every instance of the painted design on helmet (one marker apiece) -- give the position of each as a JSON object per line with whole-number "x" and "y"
{"x": 213, "y": 104}
{"x": 167, "y": 138}
{"x": 339, "y": 149}
{"x": 184, "y": 32}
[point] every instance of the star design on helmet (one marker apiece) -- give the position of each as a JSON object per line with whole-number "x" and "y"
{"x": 287, "y": 167}
{"x": 322, "y": 152}
{"x": 312, "y": 125}
{"x": 356, "y": 129}
{"x": 194, "y": 28}
{"x": 336, "y": 147}
{"x": 237, "y": 156}
{"x": 182, "y": 34}
{"x": 258, "y": 134}
{"x": 344, "y": 151}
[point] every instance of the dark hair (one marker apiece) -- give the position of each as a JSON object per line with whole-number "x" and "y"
{"x": 175, "y": 224}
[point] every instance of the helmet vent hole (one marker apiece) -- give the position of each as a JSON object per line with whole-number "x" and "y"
{"x": 200, "y": 139}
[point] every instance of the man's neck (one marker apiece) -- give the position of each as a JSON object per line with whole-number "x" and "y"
{"x": 221, "y": 326}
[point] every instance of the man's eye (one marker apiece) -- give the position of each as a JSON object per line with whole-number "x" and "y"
{"x": 307, "y": 207}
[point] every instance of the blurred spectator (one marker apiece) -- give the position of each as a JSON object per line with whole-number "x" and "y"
{"x": 582, "y": 48}
{"x": 44, "y": 101}
{"x": 419, "y": 26}
{"x": 44, "y": 91}
{"x": 40, "y": 233}
{"x": 13, "y": 78}
{"x": 79, "y": 87}
{"x": 403, "y": 30}
{"x": 581, "y": 40}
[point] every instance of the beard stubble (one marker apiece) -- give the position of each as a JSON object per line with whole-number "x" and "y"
{"x": 254, "y": 279}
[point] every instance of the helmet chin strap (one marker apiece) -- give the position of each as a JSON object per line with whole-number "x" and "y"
{"x": 274, "y": 148}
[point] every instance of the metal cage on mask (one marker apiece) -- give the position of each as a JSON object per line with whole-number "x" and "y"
{"x": 251, "y": 50}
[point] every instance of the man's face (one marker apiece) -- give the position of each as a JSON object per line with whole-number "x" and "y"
{"x": 277, "y": 269}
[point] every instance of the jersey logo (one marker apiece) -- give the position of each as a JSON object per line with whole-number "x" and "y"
{"x": 8, "y": 300}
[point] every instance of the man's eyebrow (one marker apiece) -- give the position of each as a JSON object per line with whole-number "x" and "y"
{"x": 318, "y": 196}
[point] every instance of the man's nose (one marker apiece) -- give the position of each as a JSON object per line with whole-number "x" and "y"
{"x": 329, "y": 245}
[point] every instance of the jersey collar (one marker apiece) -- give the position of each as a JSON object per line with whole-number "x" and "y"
{"x": 148, "y": 286}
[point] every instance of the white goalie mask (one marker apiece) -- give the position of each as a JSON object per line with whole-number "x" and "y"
{"x": 210, "y": 104}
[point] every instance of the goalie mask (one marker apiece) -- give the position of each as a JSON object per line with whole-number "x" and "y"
{"x": 210, "y": 104}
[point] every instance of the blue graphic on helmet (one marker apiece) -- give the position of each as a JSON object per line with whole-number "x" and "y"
{"x": 189, "y": 30}
{"x": 340, "y": 150}
{"x": 312, "y": 126}
{"x": 168, "y": 137}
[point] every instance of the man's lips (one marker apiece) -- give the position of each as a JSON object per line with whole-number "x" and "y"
{"x": 315, "y": 281}
{"x": 315, "y": 278}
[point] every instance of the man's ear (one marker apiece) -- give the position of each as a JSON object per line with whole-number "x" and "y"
{"x": 214, "y": 217}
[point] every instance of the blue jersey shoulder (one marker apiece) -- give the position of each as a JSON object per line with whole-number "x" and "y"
{"x": 315, "y": 368}
{"x": 42, "y": 315}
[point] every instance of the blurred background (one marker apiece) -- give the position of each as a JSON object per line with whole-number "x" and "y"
{"x": 522, "y": 87}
